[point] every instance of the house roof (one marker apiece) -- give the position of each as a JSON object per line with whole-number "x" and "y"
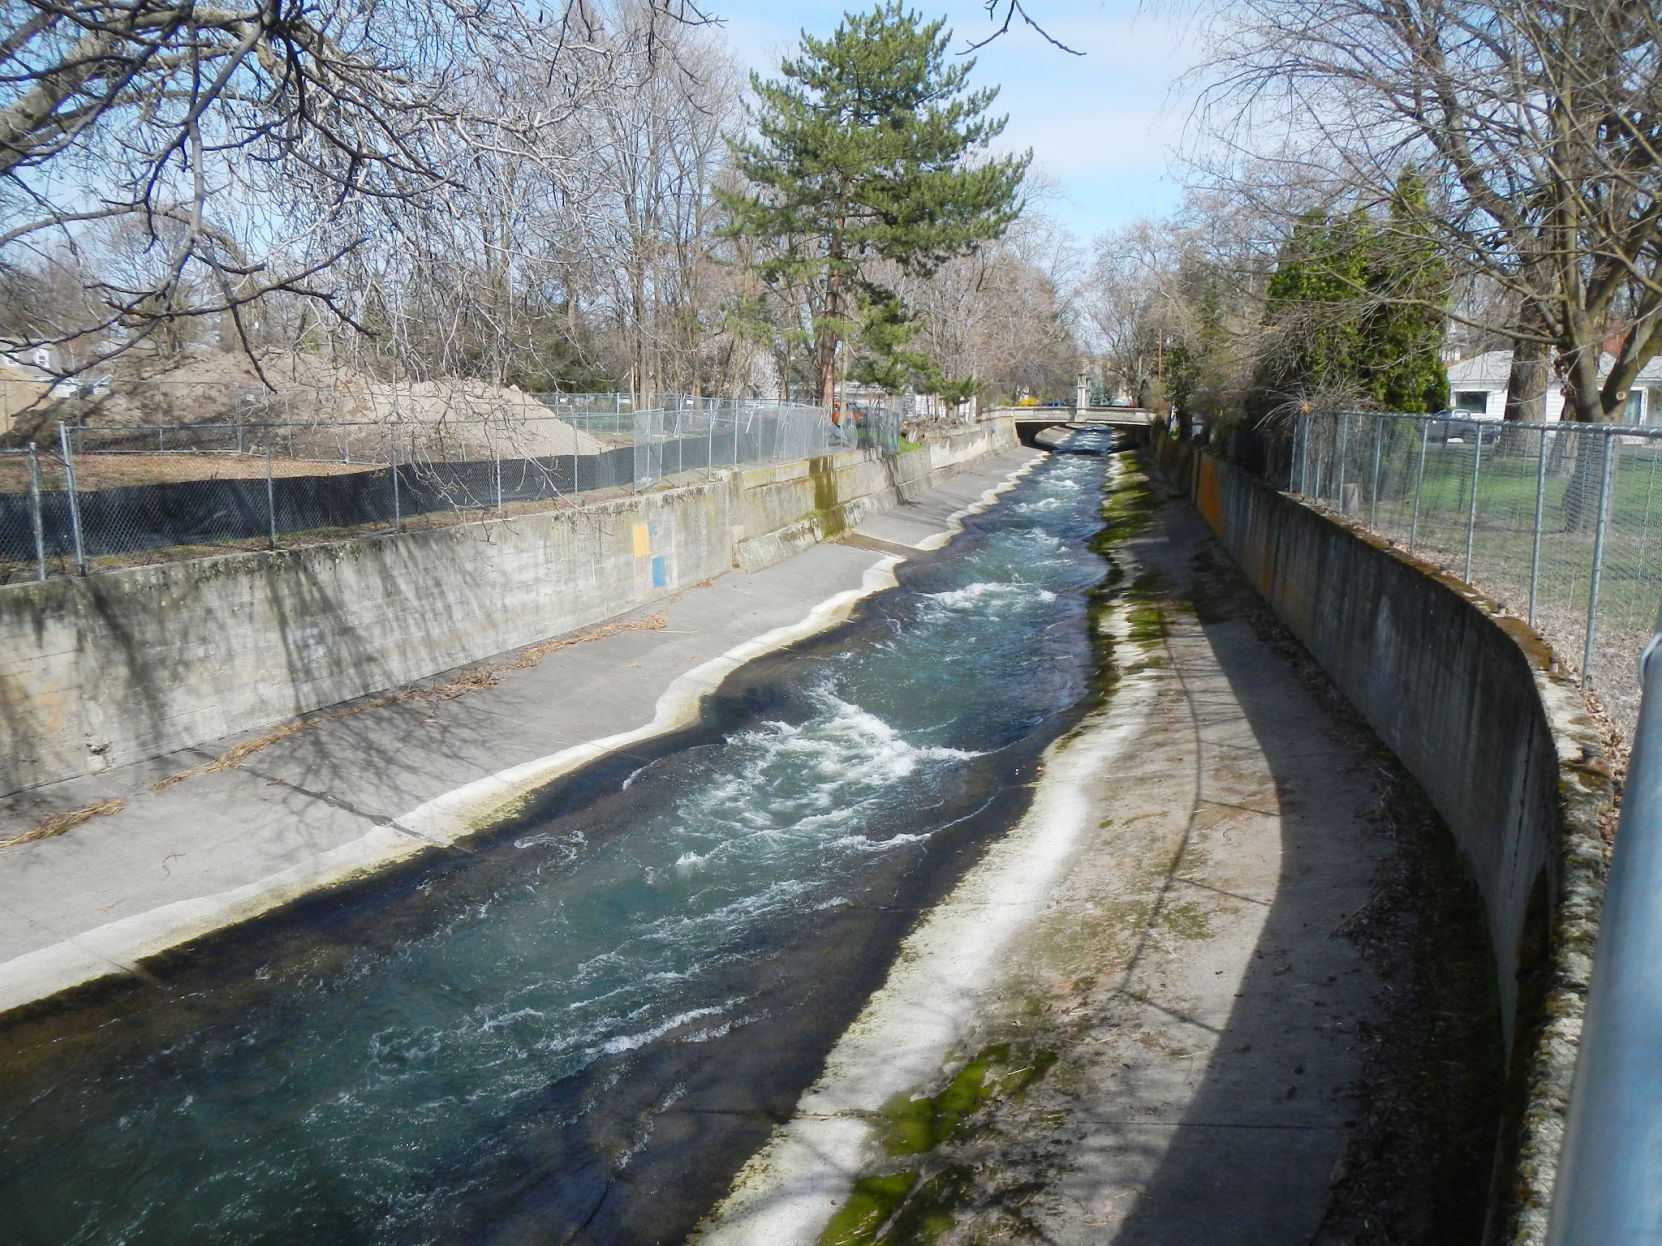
{"x": 1494, "y": 367}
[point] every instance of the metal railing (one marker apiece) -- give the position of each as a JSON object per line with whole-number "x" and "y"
{"x": 1607, "y": 1188}
{"x": 1561, "y": 523}
{"x": 98, "y": 495}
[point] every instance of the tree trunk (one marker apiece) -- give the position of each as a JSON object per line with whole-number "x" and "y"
{"x": 828, "y": 337}
{"x": 1526, "y": 382}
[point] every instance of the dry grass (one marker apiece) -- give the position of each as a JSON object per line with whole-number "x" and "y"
{"x": 469, "y": 680}
{"x": 57, "y": 823}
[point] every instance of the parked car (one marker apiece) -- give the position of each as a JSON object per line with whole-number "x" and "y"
{"x": 1464, "y": 426}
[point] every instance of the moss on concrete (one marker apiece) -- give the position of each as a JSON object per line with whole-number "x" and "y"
{"x": 919, "y": 1202}
{"x": 869, "y": 1207}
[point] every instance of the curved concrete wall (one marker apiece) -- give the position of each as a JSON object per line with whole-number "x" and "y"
{"x": 131, "y": 664}
{"x": 1502, "y": 746}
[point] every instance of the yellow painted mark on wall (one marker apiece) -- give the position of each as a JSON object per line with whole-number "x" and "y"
{"x": 1207, "y": 498}
{"x": 643, "y": 541}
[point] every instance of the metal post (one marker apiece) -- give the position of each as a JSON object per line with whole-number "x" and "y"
{"x": 392, "y": 474}
{"x": 1471, "y": 507}
{"x": 270, "y": 500}
{"x": 1419, "y": 486}
{"x": 1606, "y": 1188}
{"x": 1540, "y": 506}
{"x": 497, "y": 455}
{"x": 1373, "y": 488}
{"x": 710, "y": 444}
{"x": 74, "y": 499}
{"x": 1304, "y": 453}
{"x": 1316, "y": 487}
{"x": 1598, "y": 561}
{"x": 34, "y": 506}
{"x": 1339, "y": 463}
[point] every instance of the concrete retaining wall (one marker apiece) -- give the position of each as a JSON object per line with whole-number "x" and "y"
{"x": 1503, "y": 748}
{"x": 118, "y": 667}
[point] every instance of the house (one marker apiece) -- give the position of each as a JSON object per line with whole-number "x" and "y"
{"x": 1478, "y": 385}
{"x": 25, "y": 378}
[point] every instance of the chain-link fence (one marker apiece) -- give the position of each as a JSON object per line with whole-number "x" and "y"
{"x": 1561, "y": 523}
{"x": 96, "y": 495}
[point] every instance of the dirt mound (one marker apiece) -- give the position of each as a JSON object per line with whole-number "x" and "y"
{"x": 451, "y": 417}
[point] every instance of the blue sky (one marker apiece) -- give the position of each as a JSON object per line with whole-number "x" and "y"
{"x": 1102, "y": 125}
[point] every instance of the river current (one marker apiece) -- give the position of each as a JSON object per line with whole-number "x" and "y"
{"x": 578, "y": 1030}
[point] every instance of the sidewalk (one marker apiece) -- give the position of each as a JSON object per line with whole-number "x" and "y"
{"x": 321, "y": 805}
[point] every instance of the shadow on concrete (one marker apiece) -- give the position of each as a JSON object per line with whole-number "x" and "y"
{"x": 1290, "y": 1132}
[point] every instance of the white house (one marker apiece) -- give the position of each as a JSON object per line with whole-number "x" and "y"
{"x": 1478, "y": 385}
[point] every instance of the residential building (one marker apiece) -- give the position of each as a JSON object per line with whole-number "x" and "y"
{"x": 1478, "y": 385}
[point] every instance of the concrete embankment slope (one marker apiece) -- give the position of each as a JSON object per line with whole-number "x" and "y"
{"x": 111, "y": 669}
{"x": 1502, "y": 746}
{"x": 265, "y": 818}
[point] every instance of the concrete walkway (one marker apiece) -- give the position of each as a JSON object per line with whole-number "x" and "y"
{"x": 348, "y": 795}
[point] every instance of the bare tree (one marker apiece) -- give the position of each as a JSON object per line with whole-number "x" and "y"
{"x": 1002, "y": 318}
{"x": 1536, "y": 124}
{"x": 254, "y": 148}
{"x": 659, "y": 149}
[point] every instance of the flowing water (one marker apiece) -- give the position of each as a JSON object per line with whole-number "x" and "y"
{"x": 579, "y": 1030}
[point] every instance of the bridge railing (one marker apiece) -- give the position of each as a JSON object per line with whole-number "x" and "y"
{"x": 1127, "y": 416}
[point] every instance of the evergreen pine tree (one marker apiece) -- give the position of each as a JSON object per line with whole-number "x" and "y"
{"x": 1315, "y": 310}
{"x": 1355, "y": 311}
{"x": 867, "y": 148}
{"x": 1410, "y": 283}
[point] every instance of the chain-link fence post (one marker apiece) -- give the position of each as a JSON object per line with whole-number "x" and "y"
{"x": 34, "y": 512}
{"x": 1302, "y": 431}
{"x": 1598, "y": 559}
{"x": 1373, "y": 486}
{"x": 270, "y": 500}
{"x": 496, "y": 454}
{"x": 1471, "y": 503}
{"x": 1540, "y": 512}
{"x": 1339, "y": 463}
{"x": 1419, "y": 486}
{"x": 73, "y": 499}
{"x": 392, "y": 476}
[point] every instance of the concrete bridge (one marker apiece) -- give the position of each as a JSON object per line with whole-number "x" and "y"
{"x": 1115, "y": 417}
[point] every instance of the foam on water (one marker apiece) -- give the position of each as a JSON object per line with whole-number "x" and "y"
{"x": 983, "y": 595}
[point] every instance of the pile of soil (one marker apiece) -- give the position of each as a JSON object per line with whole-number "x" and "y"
{"x": 453, "y": 417}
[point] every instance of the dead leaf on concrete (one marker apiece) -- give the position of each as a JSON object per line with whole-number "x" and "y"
{"x": 57, "y": 823}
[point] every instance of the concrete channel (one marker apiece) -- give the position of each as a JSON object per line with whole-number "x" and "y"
{"x": 1185, "y": 998}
